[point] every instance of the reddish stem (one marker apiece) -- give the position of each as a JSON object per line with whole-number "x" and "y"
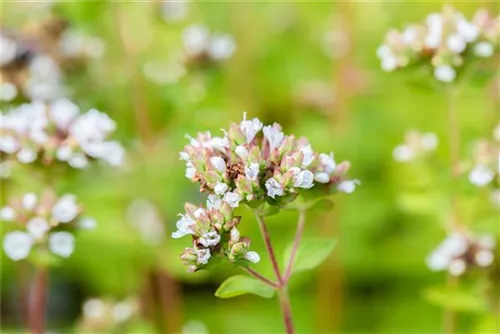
{"x": 261, "y": 278}
{"x": 269, "y": 248}
{"x": 38, "y": 300}
{"x": 286, "y": 309}
{"x": 296, "y": 242}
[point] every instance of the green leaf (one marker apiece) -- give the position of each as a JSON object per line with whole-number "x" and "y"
{"x": 239, "y": 285}
{"x": 455, "y": 299}
{"x": 323, "y": 205}
{"x": 311, "y": 253}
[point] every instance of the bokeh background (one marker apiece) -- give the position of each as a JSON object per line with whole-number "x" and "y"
{"x": 310, "y": 66}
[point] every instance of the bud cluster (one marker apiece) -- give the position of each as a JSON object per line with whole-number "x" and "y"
{"x": 202, "y": 45}
{"x": 444, "y": 39}
{"x": 215, "y": 234}
{"x": 57, "y": 131}
{"x": 33, "y": 59}
{"x": 47, "y": 222}
{"x": 100, "y": 315}
{"x": 253, "y": 163}
{"x": 486, "y": 161}
{"x": 415, "y": 146}
{"x": 460, "y": 252}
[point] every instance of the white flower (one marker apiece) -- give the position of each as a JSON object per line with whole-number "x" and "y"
{"x": 383, "y": 51}
{"x": 250, "y": 128}
{"x": 8, "y": 144}
{"x": 437, "y": 261}
{"x": 348, "y": 187}
{"x": 456, "y": 43}
{"x": 221, "y": 46}
{"x": 29, "y": 201}
{"x": 209, "y": 239}
{"x": 214, "y": 202}
{"x": 467, "y": 30}
{"x": 78, "y": 161}
{"x": 409, "y": 35}
{"x": 487, "y": 241}
{"x": 484, "y": 258}
{"x": 110, "y": 151}
{"x": 94, "y": 309}
{"x": 184, "y": 156}
{"x": 122, "y": 311}
{"x": 252, "y": 257}
{"x": 429, "y": 141}
{"x": 203, "y": 255}
{"x": 37, "y": 227}
{"x": 484, "y": 49}
{"x": 328, "y": 162}
{"x": 233, "y": 199}
{"x": 220, "y": 188}
{"x": 445, "y": 73}
{"x": 241, "y": 151}
{"x": 8, "y": 91}
{"x": 17, "y": 245}
{"x": 235, "y": 234}
{"x": 190, "y": 170}
{"x": 183, "y": 227}
{"x": 219, "y": 143}
{"x": 174, "y": 11}
{"x": 252, "y": 172}
{"x": 26, "y": 155}
{"x": 304, "y": 179}
{"x": 195, "y": 39}
{"x": 63, "y": 112}
{"x": 457, "y": 267}
{"x": 322, "y": 177}
{"x": 61, "y": 243}
{"x": 64, "y": 152}
{"x": 480, "y": 175}
{"x": 7, "y": 213}
{"x": 91, "y": 127}
{"x": 65, "y": 209}
{"x": 273, "y": 135}
{"x": 308, "y": 155}
{"x": 274, "y": 188}
{"x": 433, "y": 40}
{"x": 403, "y": 153}
{"x": 218, "y": 163}
{"x": 389, "y": 63}
{"x": 8, "y": 50}
{"x": 87, "y": 223}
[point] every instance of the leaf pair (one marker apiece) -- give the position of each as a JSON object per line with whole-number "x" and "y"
{"x": 310, "y": 254}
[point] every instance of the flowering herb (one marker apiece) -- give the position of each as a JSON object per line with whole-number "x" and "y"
{"x": 262, "y": 167}
{"x": 46, "y": 222}
{"x": 446, "y": 40}
{"x": 57, "y": 131}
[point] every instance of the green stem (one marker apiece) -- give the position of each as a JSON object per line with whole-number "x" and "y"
{"x": 286, "y": 308}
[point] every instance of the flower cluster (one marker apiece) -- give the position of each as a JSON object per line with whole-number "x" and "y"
{"x": 214, "y": 232}
{"x": 33, "y": 59}
{"x": 47, "y": 223}
{"x": 200, "y": 44}
{"x": 416, "y": 145}
{"x": 58, "y": 131}
{"x": 486, "y": 161}
{"x": 101, "y": 315}
{"x": 444, "y": 39}
{"x": 253, "y": 162}
{"x": 459, "y": 252}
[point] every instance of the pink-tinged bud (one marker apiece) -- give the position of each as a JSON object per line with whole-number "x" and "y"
{"x": 239, "y": 249}
{"x": 226, "y": 211}
{"x": 190, "y": 209}
{"x": 342, "y": 168}
{"x": 211, "y": 177}
{"x": 244, "y": 184}
{"x": 188, "y": 257}
{"x": 236, "y": 135}
{"x": 254, "y": 154}
{"x": 241, "y": 152}
{"x": 232, "y": 223}
{"x": 287, "y": 144}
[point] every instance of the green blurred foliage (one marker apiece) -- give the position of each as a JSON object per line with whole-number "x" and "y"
{"x": 379, "y": 281}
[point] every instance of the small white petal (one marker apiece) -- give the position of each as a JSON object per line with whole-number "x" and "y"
{"x": 17, "y": 245}
{"x": 37, "y": 227}
{"x": 218, "y": 163}
{"x": 220, "y": 188}
{"x": 252, "y": 257}
{"x": 484, "y": 258}
{"x": 457, "y": 267}
{"x": 62, "y": 243}
{"x": 29, "y": 201}
{"x": 7, "y": 214}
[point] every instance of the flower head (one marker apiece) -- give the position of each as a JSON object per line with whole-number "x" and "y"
{"x": 446, "y": 40}
{"x": 57, "y": 131}
{"x": 43, "y": 222}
